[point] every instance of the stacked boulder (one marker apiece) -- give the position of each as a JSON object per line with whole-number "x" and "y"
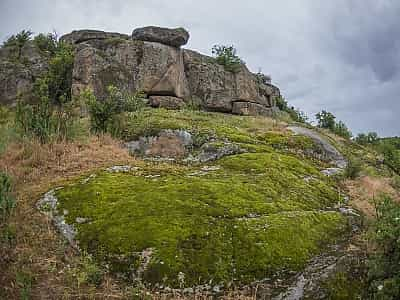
{"x": 151, "y": 60}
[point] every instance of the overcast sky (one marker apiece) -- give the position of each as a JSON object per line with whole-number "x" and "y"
{"x": 342, "y": 56}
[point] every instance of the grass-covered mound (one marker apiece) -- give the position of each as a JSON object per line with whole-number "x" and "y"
{"x": 251, "y": 216}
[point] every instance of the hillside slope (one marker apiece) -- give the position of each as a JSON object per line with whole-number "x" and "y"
{"x": 261, "y": 211}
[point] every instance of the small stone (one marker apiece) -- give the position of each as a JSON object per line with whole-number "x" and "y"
{"x": 80, "y": 220}
{"x": 120, "y": 169}
{"x": 167, "y": 102}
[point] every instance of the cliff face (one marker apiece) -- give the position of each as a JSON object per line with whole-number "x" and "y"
{"x": 17, "y": 76}
{"x": 151, "y": 60}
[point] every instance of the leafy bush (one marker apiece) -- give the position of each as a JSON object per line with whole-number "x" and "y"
{"x": 42, "y": 120}
{"x": 341, "y": 130}
{"x": 353, "y": 168}
{"x": 7, "y": 202}
{"x": 35, "y": 120}
{"x": 226, "y": 56}
{"x": 262, "y": 78}
{"x": 365, "y": 139}
{"x": 295, "y": 114}
{"x": 326, "y": 120}
{"x": 384, "y": 266}
{"x": 391, "y": 156}
{"x": 18, "y": 41}
{"x": 59, "y": 76}
{"x": 89, "y": 271}
{"x": 105, "y": 114}
{"x": 47, "y": 43}
{"x": 52, "y": 113}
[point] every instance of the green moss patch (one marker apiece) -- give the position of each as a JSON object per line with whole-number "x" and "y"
{"x": 258, "y": 214}
{"x": 252, "y": 134}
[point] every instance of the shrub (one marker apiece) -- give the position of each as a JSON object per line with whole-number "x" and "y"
{"x": 7, "y": 202}
{"x": 365, "y": 139}
{"x": 105, "y": 114}
{"x": 59, "y": 76}
{"x": 341, "y": 130}
{"x": 226, "y": 56}
{"x": 326, "y": 120}
{"x": 384, "y": 265}
{"x": 262, "y": 78}
{"x": 18, "y": 41}
{"x": 45, "y": 121}
{"x": 90, "y": 272}
{"x": 47, "y": 43}
{"x": 391, "y": 156}
{"x": 295, "y": 114}
{"x": 353, "y": 168}
{"x": 35, "y": 120}
{"x": 52, "y": 113}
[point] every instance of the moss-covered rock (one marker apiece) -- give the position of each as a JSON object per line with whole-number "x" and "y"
{"x": 250, "y": 218}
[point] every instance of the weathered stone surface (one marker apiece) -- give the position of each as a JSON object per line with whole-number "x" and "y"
{"x": 167, "y": 102}
{"x": 168, "y": 144}
{"x": 210, "y": 152}
{"x": 217, "y": 89}
{"x": 79, "y": 36}
{"x": 175, "y": 37}
{"x": 150, "y": 62}
{"x": 251, "y": 109}
{"x": 17, "y": 75}
{"x": 152, "y": 68}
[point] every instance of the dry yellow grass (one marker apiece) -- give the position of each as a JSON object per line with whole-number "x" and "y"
{"x": 38, "y": 251}
{"x": 364, "y": 190}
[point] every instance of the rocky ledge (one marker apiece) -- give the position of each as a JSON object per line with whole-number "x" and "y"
{"x": 150, "y": 60}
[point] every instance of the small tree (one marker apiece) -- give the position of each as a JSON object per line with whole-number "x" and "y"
{"x": 295, "y": 114}
{"x": 369, "y": 138}
{"x": 342, "y": 130}
{"x": 36, "y": 120}
{"x": 47, "y": 43}
{"x": 59, "y": 76}
{"x": 18, "y": 41}
{"x": 326, "y": 120}
{"x": 384, "y": 264}
{"x": 353, "y": 168}
{"x": 391, "y": 156}
{"x": 103, "y": 113}
{"x": 226, "y": 56}
{"x": 262, "y": 78}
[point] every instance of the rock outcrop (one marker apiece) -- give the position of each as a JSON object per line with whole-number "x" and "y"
{"x": 80, "y": 36}
{"x": 18, "y": 74}
{"x": 150, "y": 61}
{"x": 132, "y": 65}
{"x": 167, "y": 102}
{"x": 218, "y": 90}
{"x": 172, "y": 37}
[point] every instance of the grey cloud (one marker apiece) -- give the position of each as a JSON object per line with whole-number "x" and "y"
{"x": 340, "y": 55}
